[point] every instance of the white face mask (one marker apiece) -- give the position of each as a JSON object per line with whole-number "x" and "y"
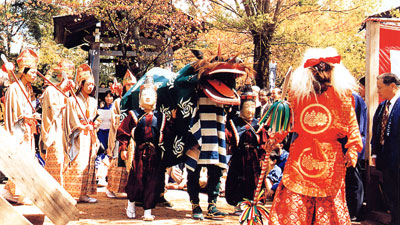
{"x": 248, "y": 110}
{"x": 148, "y": 98}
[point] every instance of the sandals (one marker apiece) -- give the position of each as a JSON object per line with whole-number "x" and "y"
{"x": 148, "y": 218}
{"x": 130, "y": 213}
{"x": 87, "y": 199}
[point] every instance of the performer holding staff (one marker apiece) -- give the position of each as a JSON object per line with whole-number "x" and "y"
{"x": 82, "y": 144}
{"x": 53, "y": 104}
{"x": 244, "y": 144}
{"x": 20, "y": 116}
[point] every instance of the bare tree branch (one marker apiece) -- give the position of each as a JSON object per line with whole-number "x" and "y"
{"x": 225, "y": 6}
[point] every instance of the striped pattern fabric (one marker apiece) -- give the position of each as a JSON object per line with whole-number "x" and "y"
{"x": 208, "y": 128}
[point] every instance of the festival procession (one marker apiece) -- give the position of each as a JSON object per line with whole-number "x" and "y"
{"x": 200, "y": 112}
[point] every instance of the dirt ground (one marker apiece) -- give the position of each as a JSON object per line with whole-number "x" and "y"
{"x": 112, "y": 211}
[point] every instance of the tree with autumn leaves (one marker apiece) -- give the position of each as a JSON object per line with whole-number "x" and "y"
{"x": 257, "y": 29}
{"x": 283, "y": 29}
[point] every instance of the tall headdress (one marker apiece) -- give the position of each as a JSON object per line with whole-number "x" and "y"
{"x": 83, "y": 72}
{"x": 247, "y": 94}
{"x": 148, "y": 83}
{"x": 66, "y": 66}
{"x": 27, "y": 59}
{"x": 129, "y": 78}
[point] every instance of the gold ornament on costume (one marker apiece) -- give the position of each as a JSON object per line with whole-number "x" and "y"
{"x": 314, "y": 162}
{"x": 27, "y": 59}
{"x": 84, "y": 72}
{"x": 315, "y": 118}
{"x": 129, "y": 78}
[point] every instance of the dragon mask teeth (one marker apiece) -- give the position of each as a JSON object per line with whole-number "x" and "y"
{"x": 220, "y": 93}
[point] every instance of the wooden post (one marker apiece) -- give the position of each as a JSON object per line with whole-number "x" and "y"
{"x": 94, "y": 57}
{"x": 371, "y": 94}
{"x": 35, "y": 182}
{"x": 8, "y": 215}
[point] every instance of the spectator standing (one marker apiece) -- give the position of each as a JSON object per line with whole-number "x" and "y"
{"x": 386, "y": 140}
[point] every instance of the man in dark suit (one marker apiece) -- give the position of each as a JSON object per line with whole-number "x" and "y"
{"x": 354, "y": 182}
{"x": 386, "y": 140}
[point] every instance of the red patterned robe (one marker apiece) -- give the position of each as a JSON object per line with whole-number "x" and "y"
{"x": 312, "y": 189}
{"x": 147, "y": 171}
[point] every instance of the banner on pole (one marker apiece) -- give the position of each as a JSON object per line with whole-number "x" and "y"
{"x": 389, "y": 49}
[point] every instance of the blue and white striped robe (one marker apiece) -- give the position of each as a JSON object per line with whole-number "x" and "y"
{"x": 208, "y": 127}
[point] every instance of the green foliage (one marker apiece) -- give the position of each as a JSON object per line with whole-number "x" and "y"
{"x": 33, "y": 21}
{"x": 151, "y": 29}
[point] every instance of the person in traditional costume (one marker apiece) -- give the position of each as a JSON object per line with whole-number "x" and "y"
{"x": 312, "y": 190}
{"x": 20, "y": 119}
{"x": 117, "y": 174}
{"x": 145, "y": 126}
{"x": 53, "y": 109}
{"x": 81, "y": 140}
{"x": 244, "y": 144}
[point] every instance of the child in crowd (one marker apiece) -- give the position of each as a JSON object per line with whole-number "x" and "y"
{"x": 278, "y": 159}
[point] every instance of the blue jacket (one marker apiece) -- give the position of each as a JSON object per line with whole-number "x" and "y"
{"x": 388, "y": 154}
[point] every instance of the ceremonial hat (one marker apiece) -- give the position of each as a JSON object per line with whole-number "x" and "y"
{"x": 27, "y": 59}
{"x": 83, "y": 72}
{"x": 148, "y": 83}
{"x": 129, "y": 78}
{"x": 67, "y": 66}
{"x": 248, "y": 94}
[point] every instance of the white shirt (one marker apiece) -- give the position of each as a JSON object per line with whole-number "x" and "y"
{"x": 393, "y": 100}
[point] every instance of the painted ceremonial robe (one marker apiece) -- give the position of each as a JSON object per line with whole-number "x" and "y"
{"x": 147, "y": 171}
{"x": 51, "y": 134}
{"x": 244, "y": 168}
{"x": 17, "y": 110}
{"x": 200, "y": 121}
{"x": 313, "y": 180}
{"x": 79, "y": 175}
{"x": 117, "y": 177}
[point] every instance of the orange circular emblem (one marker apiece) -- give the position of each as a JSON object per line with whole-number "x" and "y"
{"x": 315, "y": 118}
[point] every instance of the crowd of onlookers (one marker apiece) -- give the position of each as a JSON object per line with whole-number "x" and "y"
{"x": 176, "y": 175}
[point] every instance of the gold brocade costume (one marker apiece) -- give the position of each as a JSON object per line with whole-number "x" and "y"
{"x": 117, "y": 176}
{"x": 79, "y": 175}
{"x": 316, "y": 166}
{"x": 51, "y": 134}
{"x": 17, "y": 110}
